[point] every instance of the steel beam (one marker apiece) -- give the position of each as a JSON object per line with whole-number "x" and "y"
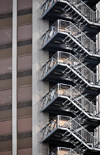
{"x": 14, "y": 78}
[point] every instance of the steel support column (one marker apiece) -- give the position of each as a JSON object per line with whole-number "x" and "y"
{"x": 14, "y": 78}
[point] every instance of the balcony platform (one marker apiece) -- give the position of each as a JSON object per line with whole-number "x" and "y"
{"x": 55, "y": 106}
{"x": 56, "y": 138}
{"x": 54, "y": 10}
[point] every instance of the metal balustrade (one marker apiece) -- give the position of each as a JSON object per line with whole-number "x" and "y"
{"x": 63, "y": 90}
{"x": 69, "y": 125}
{"x": 93, "y": 16}
{"x": 48, "y": 66}
{"x": 47, "y": 5}
{"x": 49, "y": 128}
{"x": 73, "y": 32}
{"x": 68, "y": 35}
{"x": 49, "y": 34}
{"x": 78, "y": 130}
{"x": 79, "y": 5}
{"x": 72, "y": 63}
{"x": 78, "y": 66}
{"x": 64, "y": 151}
{"x": 83, "y": 38}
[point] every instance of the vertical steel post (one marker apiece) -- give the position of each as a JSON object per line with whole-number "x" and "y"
{"x": 14, "y": 78}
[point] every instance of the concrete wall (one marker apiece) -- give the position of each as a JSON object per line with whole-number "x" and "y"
{"x": 98, "y": 71}
{"x": 39, "y": 120}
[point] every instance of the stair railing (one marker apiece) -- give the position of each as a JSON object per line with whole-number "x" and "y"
{"x": 78, "y": 130}
{"x": 79, "y": 67}
{"x": 62, "y": 26}
{"x": 85, "y": 10}
{"x": 46, "y": 6}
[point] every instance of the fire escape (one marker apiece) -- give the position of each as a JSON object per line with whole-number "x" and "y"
{"x": 72, "y": 67}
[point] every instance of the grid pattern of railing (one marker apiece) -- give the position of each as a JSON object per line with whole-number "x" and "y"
{"x": 74, "y": 37}
{"x": 49, "y": 34}
{"x": 71, "y": 126}
{"x": 71, "y": 30}
{"x": 93, "y": 16}
{"x": 49, "y": 128}
{"x": 85, "y": 10}
{"x": 70, "y": 60}
{"x": 48, "y": 66}
{"x": 46, "y": 6}
{"x": 72, "y": 94}
{"x": 73, "y": 62}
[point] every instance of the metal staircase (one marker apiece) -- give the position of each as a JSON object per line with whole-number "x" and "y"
{"x": 68, "y": 33}
{"x": 75, "y": 10}
{"x": 70, "y": 131}
{"x": 73, "y": 68}
{"x": 78, "y": 131}
{"x": 81, "y": 12}
{"x": 66, "y": 66}
{"x": 66, "y": 98}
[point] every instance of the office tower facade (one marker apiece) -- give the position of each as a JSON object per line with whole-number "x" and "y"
{"x": 49, "y": 77}
{"x": 16, "y": 77}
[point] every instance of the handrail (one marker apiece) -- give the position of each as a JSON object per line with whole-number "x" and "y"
{"x": 68, "y": 123}
{"x": 79, "y": 67}
{"x": 79, "y": 131}
{"x": 91, "y": 15}
{"x": 82, "y": 101}
{"x": 86, "y": 10}
{"x": 48, "y": 65}
{"x": 70, "y": 29}
{"x": 47, "y": 5}
{"x": 82, "y": 38}
{"x": 70, "y": 92}
{"x": 70, "y": 60}
{"x": 49, "y": 127}
{"x": 48, "y": 34}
